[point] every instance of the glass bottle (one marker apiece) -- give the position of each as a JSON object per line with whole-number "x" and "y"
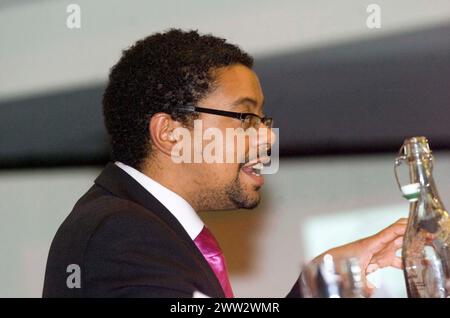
{"x": 426, "y": 246}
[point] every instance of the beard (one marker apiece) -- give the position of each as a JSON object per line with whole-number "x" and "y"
{"x": 232, "y": 196}
{"x": 239, "y": 196}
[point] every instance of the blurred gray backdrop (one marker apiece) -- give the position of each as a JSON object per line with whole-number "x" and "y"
{"x": 344, "y": 97}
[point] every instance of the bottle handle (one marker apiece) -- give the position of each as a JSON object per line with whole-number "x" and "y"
{"x": 410, "y": 191}
{"x": 401, "y": 157}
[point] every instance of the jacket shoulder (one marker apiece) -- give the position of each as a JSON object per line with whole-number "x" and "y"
{"x": 98, "y": 223}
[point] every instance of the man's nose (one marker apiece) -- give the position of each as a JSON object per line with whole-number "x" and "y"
{"x": 273, "y": 137}
{"x": 266, "y": 135}
{"x": 266, "y": 139}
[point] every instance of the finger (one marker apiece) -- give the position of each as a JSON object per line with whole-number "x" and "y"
{"x": 372, "y": 268}
{"x": 397, "y": 228}
{"x": 369, "y": 288}
{"x": 398, "y": 242}
{"x": 397, "y": 263}
{"x": 402, "y": 221}
{"x": 386, "y": 256}
{"x": 370, "y": 285}
{"x": 392, "y": 232}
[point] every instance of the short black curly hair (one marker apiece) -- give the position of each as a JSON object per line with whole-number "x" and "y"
{"x": 158, "y": 74}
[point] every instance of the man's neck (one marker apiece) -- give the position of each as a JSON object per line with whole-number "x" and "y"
{"x": 173, "y": 179}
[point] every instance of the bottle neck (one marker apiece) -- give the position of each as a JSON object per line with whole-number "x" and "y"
{"x": 421, "y": 172}
{"x": 428, "y": 205}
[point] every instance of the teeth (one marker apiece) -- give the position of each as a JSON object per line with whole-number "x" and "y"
{"x": 258, "y": 166}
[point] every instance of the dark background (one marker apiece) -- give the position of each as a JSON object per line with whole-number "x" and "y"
{"x": 357, "y": 97}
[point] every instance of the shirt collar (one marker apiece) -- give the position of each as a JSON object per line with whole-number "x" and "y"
{"x": 179, "y": 207}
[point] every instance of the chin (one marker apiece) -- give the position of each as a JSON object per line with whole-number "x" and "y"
{"x": 250, "y": 200}
{"x": 243, "y": 194}
{"x": 250, "y": 205}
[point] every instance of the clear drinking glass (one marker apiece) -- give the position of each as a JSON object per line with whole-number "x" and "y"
{"x": 330, "y": 278}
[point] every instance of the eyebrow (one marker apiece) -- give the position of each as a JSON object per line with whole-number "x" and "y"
{"x": 245, "y": 100}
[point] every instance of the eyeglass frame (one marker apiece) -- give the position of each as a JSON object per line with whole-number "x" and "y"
{"x": 225, "y": 113}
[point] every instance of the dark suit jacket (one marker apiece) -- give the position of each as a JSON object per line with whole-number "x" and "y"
{"x": 126, "y": 244}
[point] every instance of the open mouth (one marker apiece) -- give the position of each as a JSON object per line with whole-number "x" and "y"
{"x": 254, "y": 169}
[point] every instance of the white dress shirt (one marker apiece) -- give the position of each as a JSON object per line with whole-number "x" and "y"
{"x": 178, "y": 206}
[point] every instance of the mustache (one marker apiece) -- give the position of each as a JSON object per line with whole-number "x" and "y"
{"x": 263, "y": 155}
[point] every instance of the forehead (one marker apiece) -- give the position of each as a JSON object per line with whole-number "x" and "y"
{"x": 237, "y": 81}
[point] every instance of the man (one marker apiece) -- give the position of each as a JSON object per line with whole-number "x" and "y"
{"x": 136, "y": 232}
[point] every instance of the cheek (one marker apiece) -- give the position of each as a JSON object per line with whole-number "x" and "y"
{"x": 221, "y": 173}
{"x": 228, "y": 141}
{"x": 236, "y": 146}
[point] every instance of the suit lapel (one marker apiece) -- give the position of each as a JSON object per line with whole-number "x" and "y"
{"x": 118, "y": 182}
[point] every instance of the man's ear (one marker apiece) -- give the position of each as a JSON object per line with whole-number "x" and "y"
{"x": 161, "y": 129}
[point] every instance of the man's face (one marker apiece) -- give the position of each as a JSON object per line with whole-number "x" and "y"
{"x": 231, "y": 185}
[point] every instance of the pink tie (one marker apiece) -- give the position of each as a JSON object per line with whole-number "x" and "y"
{"x": 210, "y": 249}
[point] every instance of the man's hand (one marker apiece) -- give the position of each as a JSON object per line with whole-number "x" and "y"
{"x": 376, "y": 251}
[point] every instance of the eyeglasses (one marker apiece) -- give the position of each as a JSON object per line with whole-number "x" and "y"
{"x": 247, "y": 119}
